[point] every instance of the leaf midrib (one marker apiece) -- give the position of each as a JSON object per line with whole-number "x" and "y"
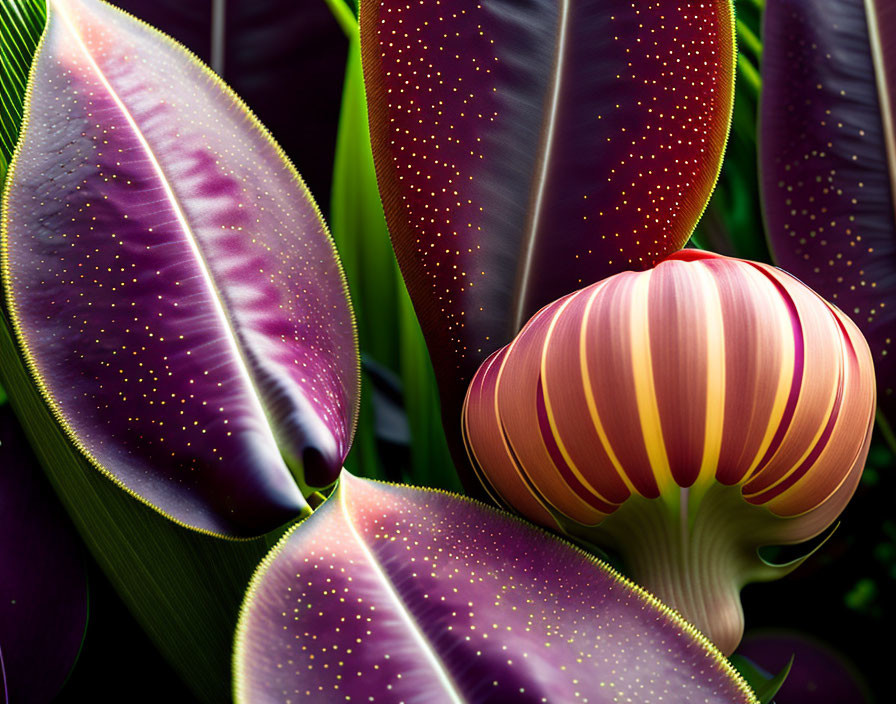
{"x": 226, "y": 322}
{"x": 426, "y": 646}
{"x": 884, "y": 98}
{"x": 543, "y": 161}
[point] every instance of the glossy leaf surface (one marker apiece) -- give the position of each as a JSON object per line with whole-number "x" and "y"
{"x": 183, "y": 587}
{"x": 389, "y": 593}
{"x": 43, "y": 584}
{"x": 828, "y": 159}
{"x": 525, "y": 151}
{"x": 285, "y": 58}
{"x": 171, "y": 281}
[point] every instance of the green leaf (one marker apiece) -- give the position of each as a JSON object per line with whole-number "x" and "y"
{"x": 359, "y": 226}
{"x": 431, "y": 462}
{"x": 346, "y": 14}
{"x": 763, "y": 685}
{"x": 747, "y": 38}
{"x": 21, "y": 24}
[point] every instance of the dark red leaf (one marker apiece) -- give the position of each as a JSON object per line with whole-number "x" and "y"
{"x": 526, "y": 150}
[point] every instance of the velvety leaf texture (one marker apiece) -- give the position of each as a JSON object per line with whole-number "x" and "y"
{"x": 526, "y": 150}
{"x": 828, "y": 159}
{"x": 389, "y": 593}
{"x": 43, "y": 583}
{"x": 285, "y": 58}
{"x": 171, "y": 281}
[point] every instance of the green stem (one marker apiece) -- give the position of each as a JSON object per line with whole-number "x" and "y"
{"x": 886, "y": 431}
{"x": 749, "y": 39}
{"x": 749, "y": 73}
{"x": 694, "y": 555}
{"x": 344, "y": 16}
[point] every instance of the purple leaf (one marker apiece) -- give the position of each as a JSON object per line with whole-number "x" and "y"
{"x": 526, "y": 150}
{"x": 286, "y": 59}
{"x": 173, "y": 286}
{"x": 389, "y": 593}
{"x": 43, "y": 585}
{"x": 819, "y": 675}
{"x": 828, "y": 159}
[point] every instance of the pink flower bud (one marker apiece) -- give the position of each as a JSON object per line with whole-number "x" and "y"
{"x": 683, "y": 417}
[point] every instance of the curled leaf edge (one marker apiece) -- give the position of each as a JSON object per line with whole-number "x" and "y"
{"x": 8, "y": 302}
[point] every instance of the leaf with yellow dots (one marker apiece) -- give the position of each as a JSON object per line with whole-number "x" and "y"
{"x": 828, "y": 159}
{"x": 389, "y": 593}
{"x": 184, "y": 587}
{"x": 274, "y": 54}
{"x": 172, "y": 284}
{"x": 526, "y": 150}
{"x": 388, "y": 330}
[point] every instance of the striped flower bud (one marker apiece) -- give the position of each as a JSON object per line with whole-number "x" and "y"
{"x": 681, "y": 417}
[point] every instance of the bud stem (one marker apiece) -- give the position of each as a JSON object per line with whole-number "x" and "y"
{"x": 694, "y": 554}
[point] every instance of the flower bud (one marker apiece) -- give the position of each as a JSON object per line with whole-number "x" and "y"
{"x": 681, "y": 417}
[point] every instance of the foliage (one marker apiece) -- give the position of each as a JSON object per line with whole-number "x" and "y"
{"x": 200, "y": 310}
{"x": 390, "y": 336}
{"x": 439, "y": 594}
{"x": 21, "y": 24}
{"x": 765, "y": 687}
{"x": 487, "y": 161}
{"x": 184, "y": 587}
{"x": 828, "y": 171}
{"x": 732, "y": 223}
{"x": 40, "y": 633}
